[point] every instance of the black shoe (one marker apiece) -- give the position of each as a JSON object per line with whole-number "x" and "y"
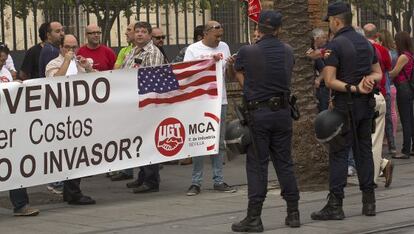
{"x": 252, "y": 222}
{"x": 193, "y": 190}
{"x": 331, "y": 211}
{"x": 121, "y": 176}
{"x": 293, "y": 219}
{"x": 145, "y": 189}
{"x": 134, "y": 184}
{"x": 84, "y": 200}
{"x": 368, "y": 203}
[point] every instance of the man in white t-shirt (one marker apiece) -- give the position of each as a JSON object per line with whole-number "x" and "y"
{"x": 211, "y": 46}
{"x": 18, "y": 197}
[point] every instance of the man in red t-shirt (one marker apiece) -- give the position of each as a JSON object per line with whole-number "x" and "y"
{"x": 103, "y": 57}
{"x": 384, "y": 59}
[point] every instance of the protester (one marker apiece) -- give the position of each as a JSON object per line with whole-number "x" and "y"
{"x": 130, "y": 37}
{"x": 51, "y": 48}
{"x": 144, "y": 54}
{"x": 391, "y": 118}
{"x": 30, "y": 65}
{"x": 209, "y": 46}
{"x": 102, "y": 56}
{"x": 18, "y": 197}
{"x": 401, "y": 75}
{"x": 158, "y": 38}
{"x": 66, "y": 64}
{"x": 198, "y": 36}
{"x": 384, "y": 60}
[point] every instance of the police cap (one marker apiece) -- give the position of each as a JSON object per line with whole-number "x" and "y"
{"x": 271, "y": 19}
{"x": 336, "y": 9}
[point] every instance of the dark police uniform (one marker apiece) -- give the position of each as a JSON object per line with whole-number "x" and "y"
{"x": 267, "y": 66}
{"x": 353, "y": 57}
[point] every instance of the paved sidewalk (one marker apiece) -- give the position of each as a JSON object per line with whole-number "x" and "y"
{"x": 170, "y": 211}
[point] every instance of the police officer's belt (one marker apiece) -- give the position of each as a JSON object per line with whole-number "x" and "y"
{"x": 274, "y": 103}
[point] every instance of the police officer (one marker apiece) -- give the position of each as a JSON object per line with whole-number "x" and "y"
{"x": 351, "y": 71}
{"x": 264, "y": 70}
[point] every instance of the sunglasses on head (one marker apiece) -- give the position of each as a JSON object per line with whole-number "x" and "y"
{"x": 217, "y": 26}
{"x": 160, "y": 37}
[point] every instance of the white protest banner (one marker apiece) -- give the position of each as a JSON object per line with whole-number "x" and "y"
{"x": 63, "y": 128}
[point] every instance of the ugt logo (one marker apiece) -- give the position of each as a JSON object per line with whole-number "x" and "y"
{"x": 169, "y": 137}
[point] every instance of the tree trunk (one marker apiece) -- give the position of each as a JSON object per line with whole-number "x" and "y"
{"x": 310, "y": 156}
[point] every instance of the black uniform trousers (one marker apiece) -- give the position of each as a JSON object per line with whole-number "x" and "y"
{"x": 149, "y": 175}
{"x": 363, "y": 112}
{"x": 19, "y": 198}
{"x": 71, "y": 190}
{"x": 272, "y": 132}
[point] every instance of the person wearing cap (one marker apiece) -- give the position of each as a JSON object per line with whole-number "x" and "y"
{"x": 264, "y": 70}
{"x": 351, "y": 71}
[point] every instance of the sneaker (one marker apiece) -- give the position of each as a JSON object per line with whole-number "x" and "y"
{"x": 223, "y": 187}
{"x": 193, "y": 190}
{"x": 55, "y": 189}
{"x": 351, "y": 171}
{"x": 26, "y": 211}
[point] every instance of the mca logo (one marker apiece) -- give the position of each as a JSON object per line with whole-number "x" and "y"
{"x": 169, "y": 137}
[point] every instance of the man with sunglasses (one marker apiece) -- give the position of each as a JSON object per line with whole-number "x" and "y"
{"x": 211, "y": 46}
{"x": 103, "y": 57}
{"x": 158, "y": 38}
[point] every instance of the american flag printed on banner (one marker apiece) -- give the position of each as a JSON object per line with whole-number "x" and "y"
{"x": 172, "y": 83}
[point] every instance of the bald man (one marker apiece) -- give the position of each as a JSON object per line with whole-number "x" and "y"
{"x": 382, "y": 106}
{"x": 103, "y": 57}
{"x": 211, "y": 45}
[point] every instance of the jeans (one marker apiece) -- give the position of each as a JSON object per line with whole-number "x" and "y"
{"x": 389, "y": 129}
{"x": 216, "y": 160}
{"x": 322, "y": 94}
{"x": 405, "y": 109}
{"x": 18, "y": 198}
{"x": 351, "y": 161}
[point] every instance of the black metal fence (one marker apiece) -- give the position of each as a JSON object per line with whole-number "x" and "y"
{"x": 20, "y": 19}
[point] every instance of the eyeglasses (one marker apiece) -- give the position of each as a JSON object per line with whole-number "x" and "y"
{"x": 160, "y": 37}
{"x": 97, "y": 32}
{"x": 70, "y": 47}
{"x": 217, "y": 26}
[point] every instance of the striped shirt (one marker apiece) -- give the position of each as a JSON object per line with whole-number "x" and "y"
{"x": 150, "y": 55}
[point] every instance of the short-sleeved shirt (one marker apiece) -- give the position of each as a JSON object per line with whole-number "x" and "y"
{"x": 30, "y": 64}
{"x": 103, "y": 57}
{"x": 149, "y": 55}
{"x": 268, "y": 66}
{"x": 200, "y": 51}
{"x": 352, "y": 54}
{"x": 54, "y": 65}
{"x": 47, "y": 53}
{"x": 5, "y": 75}
{"x": 122, "y": 54}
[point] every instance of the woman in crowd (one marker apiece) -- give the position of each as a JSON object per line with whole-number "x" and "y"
{"x": 386, "y": 40}
{"x": 401, "y": 74}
